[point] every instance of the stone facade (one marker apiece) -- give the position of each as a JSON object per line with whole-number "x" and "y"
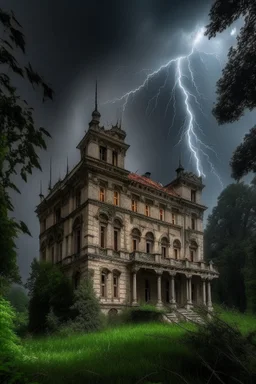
{"x": 139, "y": 240}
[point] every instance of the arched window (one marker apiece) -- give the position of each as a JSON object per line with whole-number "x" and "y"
{"x": 115, "y": 284}
{"x": 77, "y": 235}
{"x": 43, "y": 251}
{"x": 52, "y": 249}
{"x": 103, "y": 230}
{"x": 117, "y": 232}
{"x": 103, "y": 283}
{"x": 193, "y": 250}
{"x": 136, "y": 235}
{"x": 76, "y": 280}
{"x": 149, "y": 242}
{"x": 176, "y": 249}
{"x": 164, "y": 247}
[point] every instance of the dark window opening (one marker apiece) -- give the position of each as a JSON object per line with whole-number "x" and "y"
{"x": 193, "y": 196}
{"x": 116, "y": 232}
{"x": 103, "y": 153}
{"x": 114, "y": 158}
{"x": 102, "y": 236}
{"x": 57, "y": 215}
{"x": 78, "y": 198}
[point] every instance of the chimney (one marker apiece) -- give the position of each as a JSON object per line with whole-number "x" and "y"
{"x": 147, "y": 174}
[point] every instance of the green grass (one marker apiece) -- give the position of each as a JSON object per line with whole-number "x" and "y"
{"x": 125, "y": 354}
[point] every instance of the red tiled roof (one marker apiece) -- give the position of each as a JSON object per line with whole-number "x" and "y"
{"x": 151, "y": 183}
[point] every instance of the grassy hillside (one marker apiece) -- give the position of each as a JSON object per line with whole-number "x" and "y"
{"x": 127, "y": 354}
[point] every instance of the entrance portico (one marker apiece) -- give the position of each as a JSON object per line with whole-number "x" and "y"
{"x": 169, "y": 288}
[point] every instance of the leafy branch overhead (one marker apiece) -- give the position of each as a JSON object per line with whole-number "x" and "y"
{"x": 20, "y": 138}
{"x": 236, "y": 90}
{"x": 19, "y": 135}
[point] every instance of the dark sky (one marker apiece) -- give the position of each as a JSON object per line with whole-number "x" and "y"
{"x": 72, "y": 42}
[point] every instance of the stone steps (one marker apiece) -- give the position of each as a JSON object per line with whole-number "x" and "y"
{"x": 172, "y": 317}
{"x": 189, "y": 315}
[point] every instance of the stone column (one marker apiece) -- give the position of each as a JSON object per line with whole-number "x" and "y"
{"x": 134, "y": 287}
{"x": 204, "y": 292}
{"x": 189, "y": 293}
{"x": 209, "y": 303}
{"x": 173, "y": 293}
{"x": 159, "y": 289}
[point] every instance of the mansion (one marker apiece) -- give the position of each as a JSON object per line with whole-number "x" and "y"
{"x": 140, "y": 241}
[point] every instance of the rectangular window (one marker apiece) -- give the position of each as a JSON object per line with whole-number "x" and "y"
{"x": 52, "y": 254}
{"x": 193, "y": 196}
{"x": 134, "y": 245}
{"x": 78, "y": 198}
{"x": 175, "y": 254}
{"x": 102, "y": 195}
{"x": 44, "y": 225}
{"x": 78, "y": 240}
{"x": 147, "y": 210}
{"x": 67, "y": 246}
{"x": 44, "y": 255}
{"x": 161, "y": 214}
{"x": 174, "y": 218}
{"x": 148, "y": 247}
{"x": 60, "y": 251}
{"x": 102, "y": 236}
{"x": 116, "y": 198}
{"x": 115, "y": 239}
{"x": 163, "y": 251}
{"x": 115, "y": 286}
{"x": 191, "y": 255}
{"x": 114, "y": 158}
{"x": 193, "y": 223}
{"x": 103, "y": 153}
{"x": 134, "y": 205}
{"x": 57, "y": 215}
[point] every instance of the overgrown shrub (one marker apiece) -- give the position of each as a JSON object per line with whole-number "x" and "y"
{"x": 52, "y": 321}
{"x": 87, "y": 308}
{"x": 10, "y": 347}
{"x": 226, "y": 355}
{"x": 140, "y": 314}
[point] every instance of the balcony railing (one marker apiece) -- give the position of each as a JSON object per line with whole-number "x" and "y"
{"x": 184, "y": 263}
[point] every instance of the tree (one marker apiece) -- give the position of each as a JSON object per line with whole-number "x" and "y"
{"x": 19, "y": 138}
{"x": 48, "y": 288}
{"x": 18, "y": 298}
{"x": 87, "y": 306}
{"x": 230, "y": 228}
{"x": 236, "y": 90}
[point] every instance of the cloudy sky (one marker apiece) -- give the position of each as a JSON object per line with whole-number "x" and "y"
{"x": 120, "y": 43}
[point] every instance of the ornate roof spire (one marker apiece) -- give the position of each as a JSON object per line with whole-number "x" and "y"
{"x": 96, "y": 114}
{"x": 180, "y": 168}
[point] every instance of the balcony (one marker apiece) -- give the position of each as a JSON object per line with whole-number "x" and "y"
{"x": 168, "y": 262}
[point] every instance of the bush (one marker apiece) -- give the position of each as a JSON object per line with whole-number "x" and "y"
{"x": 10, "y": 347}
{"x": 21, "y": 323}
{"x": 52, "y": 321}
{"x": 142, "y": 314}
{"x": 87, "y": 307}
{"x": 224, "y": 352}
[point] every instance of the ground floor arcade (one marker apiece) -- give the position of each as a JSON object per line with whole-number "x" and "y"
{"x": 170, "y": 288}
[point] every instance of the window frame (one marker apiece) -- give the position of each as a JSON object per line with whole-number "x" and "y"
{"x": 134, "y": 205}
{"x": 103, "y": 154}
{"x": 116, "y": 198}
{"x": 102, "y": 194}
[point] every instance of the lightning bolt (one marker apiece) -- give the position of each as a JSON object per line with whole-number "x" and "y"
{"x": 190, "y": 125}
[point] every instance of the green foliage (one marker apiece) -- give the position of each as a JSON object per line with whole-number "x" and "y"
{"x": 87, "y": 307}
{"x": 10, "y": 348}
{"x": 18, "y": 298}
{"x": 224, "y": 352}
{"x": 19, "y": 140}
{"x": 48, "y": 287}
{"x": 250, "y": 276}
{"x": 235, "y": 89}
{"x": 229, "y": 230}
{"x": 52, "y": 321}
